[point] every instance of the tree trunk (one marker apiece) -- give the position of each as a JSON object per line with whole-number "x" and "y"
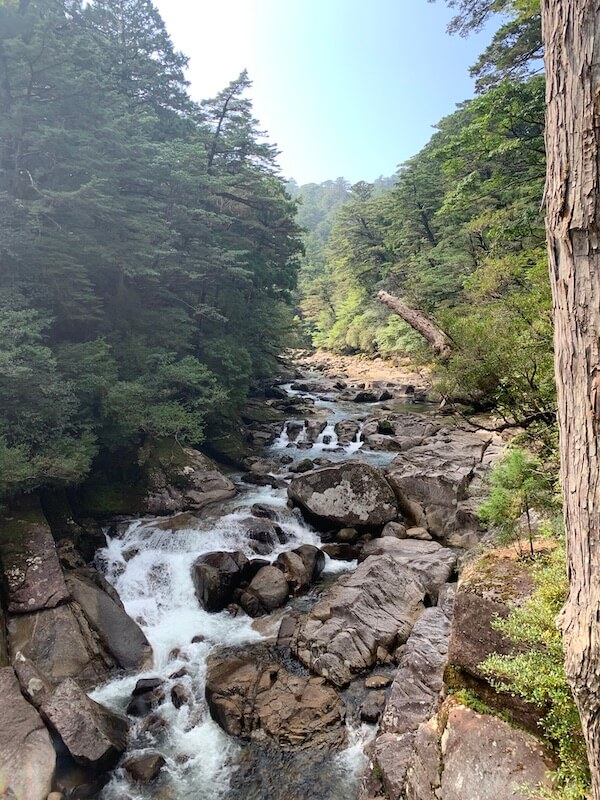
{"x": 572, "y": 55}
{"x": 420, "y": 322}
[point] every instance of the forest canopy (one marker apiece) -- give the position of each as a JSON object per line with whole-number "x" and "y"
{"x": 148, "y": 247}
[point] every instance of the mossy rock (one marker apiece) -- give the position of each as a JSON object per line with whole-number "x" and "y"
{"x": 385, "y": 427}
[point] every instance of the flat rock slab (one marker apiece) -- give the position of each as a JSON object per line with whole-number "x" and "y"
{"x": 95, "y": 736}
{"x": 349, "y": 495}
{"x": 33, "y": 572}
{"x": 27, "y": 757}
{"x": 253, "y": 696}
{"x": 373, "y": 608}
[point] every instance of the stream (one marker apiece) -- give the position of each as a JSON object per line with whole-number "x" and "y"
{"x": 148, "y": 563}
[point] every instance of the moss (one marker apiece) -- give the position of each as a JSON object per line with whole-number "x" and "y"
{"x": 385, "y": 427}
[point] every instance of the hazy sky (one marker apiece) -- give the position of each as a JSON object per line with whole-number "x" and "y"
{"x": 343, "y": 87}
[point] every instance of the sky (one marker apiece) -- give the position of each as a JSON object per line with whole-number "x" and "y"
{"x": 343, "y": 87}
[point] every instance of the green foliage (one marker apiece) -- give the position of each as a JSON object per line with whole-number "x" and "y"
{"x": 518, "y": 487}
{"x": 537, "y": 673}
{"x": 148, "y": 250}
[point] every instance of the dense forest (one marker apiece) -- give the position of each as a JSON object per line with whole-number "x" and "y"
{"x": 147, "y": 249}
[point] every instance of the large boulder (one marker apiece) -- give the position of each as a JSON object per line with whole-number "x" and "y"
{"x": 94, "y": 736}
{"x": 349, "y": 495}
{"x": 33, "y": 574}
{"x": 365, "y": 615}
{"x": 27, "y": 757}
{"x": 463, "y": 754}
{"x": 270, "y": 587}
{"x": 216, "y": 576}
{"x": 432, "y": 480}
{"x": 61, "y": 644}
{"x": 117, "y": 632}
{"x": 182, "y": 479}
{"x": 255, "y": 697}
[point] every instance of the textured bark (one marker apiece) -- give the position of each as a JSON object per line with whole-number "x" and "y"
{"x": 572, "y": 47}
{"x": 420, "y": 322}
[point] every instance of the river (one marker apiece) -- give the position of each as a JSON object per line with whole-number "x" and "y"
{"x": 149, "y": 564}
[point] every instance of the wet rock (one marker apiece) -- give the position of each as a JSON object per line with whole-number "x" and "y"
{"x": 347, "y": 430}
{"x": 145, "y": 685}
{"x": 259, "y": 510}
{"x": 342, "y": 552}
{"x": 263, "y": 534}
{"x": 347, "y": 535}
{"x": 314, "y": 427}
{"x": 27, "y": 757}
{"x": 144, "y": 769}
{"x": 117, "y": 632}
{"x": 372, "y": 708}
{"x": 180, "y": 695}
{"x": 143, "y": 703}
{"x": 255, "y": 697}
{"x": 216, "y": 576}
{"x": 34, "y": 578}
{"x": 270, "y": 588}
{"x": 364, "y": 397}
{"x": 349, "y": 495}
{"x": 95, "y": 736}
{"x": 4, "y": 660}
{"x": 294, "y": 571}
{"x": 313, "y": 560}
{"x": 373, "y": 608}
{"x": 35, "y": 686}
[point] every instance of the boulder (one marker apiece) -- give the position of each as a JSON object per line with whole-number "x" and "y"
{"x": 34, "y": 577}
{"x": 270, "y": 588}
{"x": 61, "y": 644}
{"x": 466, "y": 754}
{"x": 144, "y": 769}
{"x": 432, "y": 479}
{"x": 370, "y": 610}
{"x": 313, "y": 559}
{"x": 117, "y": 632}
{"x": 395, "y": 529}
{"x": 347, "y": 430}
{"x": 181, "y": 479}
{"x": 263, "y": 534}
{"x": 372, "y": 707}
{"x": 255, "y": 697}
{"x": 94, "y": 736}
{"x": 348, "y": 495}
{"x": 216, "y": 576}
{"x": 27, "y": 757}
{"x": 294, "y": 570}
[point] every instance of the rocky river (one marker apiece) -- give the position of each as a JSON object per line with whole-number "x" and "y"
{"x": 278, "y": 629}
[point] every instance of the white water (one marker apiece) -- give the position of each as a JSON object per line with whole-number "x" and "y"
{"x": 151, "y": 570}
